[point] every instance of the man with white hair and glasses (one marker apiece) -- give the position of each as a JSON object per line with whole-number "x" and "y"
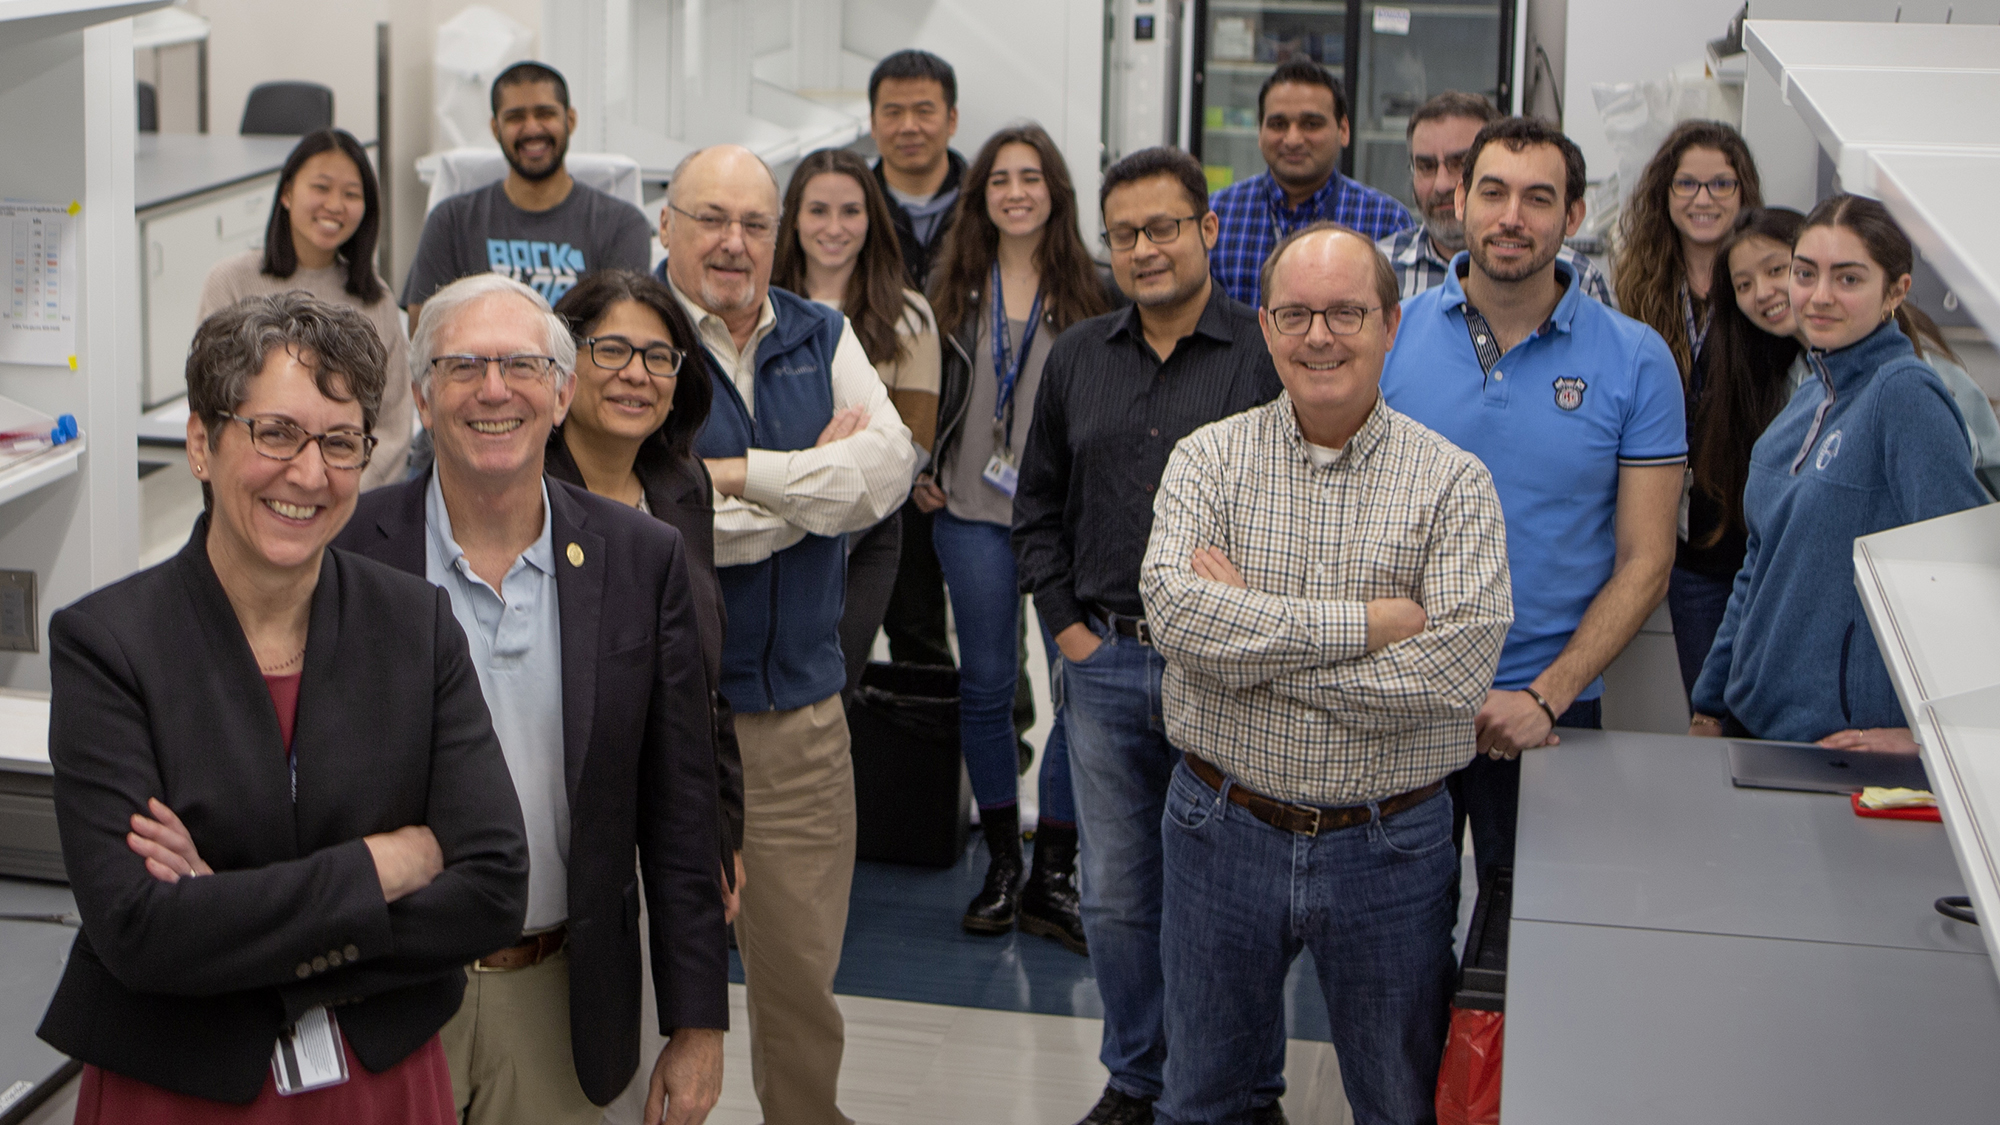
{"x": 583, "y": 634}
{"x": 804, "y": 448}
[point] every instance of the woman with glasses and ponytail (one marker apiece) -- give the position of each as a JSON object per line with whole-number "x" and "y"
{"x": 642, "y": 394}
{"x": 1872, "y": 441}
{"x": 1675, "y": 225}
{"x": 1011, "y": 275}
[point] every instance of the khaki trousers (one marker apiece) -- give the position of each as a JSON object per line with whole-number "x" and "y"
{"x": 798, "y": 864}
{"x": 509, "y": 1052}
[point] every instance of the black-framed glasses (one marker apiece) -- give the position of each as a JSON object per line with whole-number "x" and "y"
{"x": 1453, "y": 163}
{"x": 1721, "y": 187}
{"x": 1341, "y": 320}
{"x": 282, "y": 441}
{"x": 519, "y": 369}
{"x": 758, "y": 228}
{"x": 1159, "y": 232}
{"x": 612, "y": 353}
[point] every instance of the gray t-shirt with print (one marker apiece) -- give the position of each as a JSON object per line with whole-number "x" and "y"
{"x": 482, "y": 231}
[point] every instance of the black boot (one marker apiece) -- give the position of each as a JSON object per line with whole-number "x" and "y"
{"x": 992, "y": 910}
{"x": 1049, "y": 904}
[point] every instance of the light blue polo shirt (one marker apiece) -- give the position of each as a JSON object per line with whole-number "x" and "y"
{"x": 1590, "y": 391}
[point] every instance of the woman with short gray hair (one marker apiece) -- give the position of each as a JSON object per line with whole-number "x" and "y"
{"x": 284, "y": 814}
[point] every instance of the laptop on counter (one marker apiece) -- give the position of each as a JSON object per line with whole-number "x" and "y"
{"x": 1809, "y": 768}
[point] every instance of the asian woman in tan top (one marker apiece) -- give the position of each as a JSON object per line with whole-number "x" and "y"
{"x": 321, "y": 239}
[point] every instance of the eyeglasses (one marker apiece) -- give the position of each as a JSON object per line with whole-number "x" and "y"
{"x": 282, "y": 441}
{"x": 517, "y": 369}
{"x": 1341, "y": 320}
{"x": 757, "y": 228}
{"x": 1719, "y": 188}
{"x": 1427, "y": 166}
{"x": 612, "y": 353}
{"x": 1159, "y": 232}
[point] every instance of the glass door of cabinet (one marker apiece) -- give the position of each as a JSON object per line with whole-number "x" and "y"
{"x": 1410, "y": 52}
{"x": 1242, "y": 42}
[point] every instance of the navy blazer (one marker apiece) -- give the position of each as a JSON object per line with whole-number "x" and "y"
{"x": 156, "y": 694}
{"x": 638, "y": 759}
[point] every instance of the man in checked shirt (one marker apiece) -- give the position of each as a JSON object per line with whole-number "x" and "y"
{"x": 1327, "y": 581}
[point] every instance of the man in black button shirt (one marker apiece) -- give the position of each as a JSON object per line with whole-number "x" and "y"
{"x": 1117, "y": 392}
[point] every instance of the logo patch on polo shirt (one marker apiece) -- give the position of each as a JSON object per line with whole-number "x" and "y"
{"x": 1569, "y": 392}
{"x": 1828, "y": 450}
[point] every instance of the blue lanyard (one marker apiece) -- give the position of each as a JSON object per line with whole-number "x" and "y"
{"x": 1006, "y": 366}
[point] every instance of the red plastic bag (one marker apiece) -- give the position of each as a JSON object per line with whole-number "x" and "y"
{"x": 1469, "y": 1079}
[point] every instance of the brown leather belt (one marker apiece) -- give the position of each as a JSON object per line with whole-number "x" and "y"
{"x": 1306, "y": 820}
{"x": 531, "y": 952}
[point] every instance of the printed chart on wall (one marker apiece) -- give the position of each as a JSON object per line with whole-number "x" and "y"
{"x": 38, "y": 314}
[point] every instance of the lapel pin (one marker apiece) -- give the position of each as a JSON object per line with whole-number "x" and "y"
{"x": 575, "y": 555}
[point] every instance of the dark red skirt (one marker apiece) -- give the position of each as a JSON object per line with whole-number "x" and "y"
{"x": 416, "y": 1091}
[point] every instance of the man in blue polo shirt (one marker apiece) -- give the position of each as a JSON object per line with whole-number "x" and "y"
{"x": 1576, "y": 411}
{"x": 1302, "y": 125}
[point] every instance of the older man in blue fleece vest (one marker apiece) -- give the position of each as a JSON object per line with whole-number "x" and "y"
{"x": 804, "y": 447}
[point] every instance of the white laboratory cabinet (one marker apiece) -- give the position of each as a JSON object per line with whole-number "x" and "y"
{"x": 179, "y": 244}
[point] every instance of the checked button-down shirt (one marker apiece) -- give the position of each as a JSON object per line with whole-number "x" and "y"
{"x": 1275, "y": 683}
{"x": 1254, "y": 214}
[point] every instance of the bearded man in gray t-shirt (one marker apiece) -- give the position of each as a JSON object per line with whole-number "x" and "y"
{"x": 537, "y": 226}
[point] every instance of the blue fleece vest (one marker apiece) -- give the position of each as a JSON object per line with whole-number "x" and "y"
{"x": 782, "y": 649}
{"x": 1873, "y": 442}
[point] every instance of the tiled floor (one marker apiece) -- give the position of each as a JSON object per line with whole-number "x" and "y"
{"x": 921, "y": 1063}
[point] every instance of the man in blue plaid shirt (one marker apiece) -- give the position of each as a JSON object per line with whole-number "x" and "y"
{"x": 1303, "y": 124}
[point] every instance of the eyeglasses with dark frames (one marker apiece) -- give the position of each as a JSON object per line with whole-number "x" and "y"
{"x": 1341, "y": 320}
{"x": 1719, "y": 188}
{"x": 518, "y": 369}
{"x": 612, "y": 353}
{"x": 283, "y": 441}
{"x": 1159, "y": 232}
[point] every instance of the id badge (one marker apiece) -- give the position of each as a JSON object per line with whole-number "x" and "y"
{"x": 1001, "y": 474}
{"x": 309, "y": 1055}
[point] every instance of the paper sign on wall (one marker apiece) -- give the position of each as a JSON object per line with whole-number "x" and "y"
{"x": 1392, "y": 21}
{"x": 38, "y": 307}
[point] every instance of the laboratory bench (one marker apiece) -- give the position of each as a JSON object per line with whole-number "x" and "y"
{"x": 1684, "y": 950}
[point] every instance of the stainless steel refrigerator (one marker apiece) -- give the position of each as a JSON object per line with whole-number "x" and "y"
{"x": 1390, "y": 58}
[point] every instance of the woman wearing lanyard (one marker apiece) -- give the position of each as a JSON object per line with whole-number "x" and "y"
{"x": 1681, "y": 213}
{"x": 837, "y": 245}
{"x": 1011, "y": 275}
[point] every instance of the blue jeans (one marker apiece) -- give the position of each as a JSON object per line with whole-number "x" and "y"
{"x": 1696, "y": 603}
{"x": 1121, "y": 761}
{"x": 1242, "y": 898}
{"x": 978, "y": 565}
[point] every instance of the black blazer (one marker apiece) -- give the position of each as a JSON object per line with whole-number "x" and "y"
{"x": 678, "y": 491}
{"x": 157, "y": 694}
{"x": 639, "y": 761}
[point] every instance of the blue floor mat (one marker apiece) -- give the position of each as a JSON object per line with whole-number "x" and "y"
{"x": 904, "y": 943}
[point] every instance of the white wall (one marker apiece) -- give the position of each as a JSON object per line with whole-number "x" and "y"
{"x": 253, "y": 41}
{"x": 1038, "y": 59}
{"x": 1628, "y": 41}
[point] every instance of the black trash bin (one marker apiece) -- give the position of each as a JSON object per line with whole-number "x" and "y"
{"x": 912, "y": 798}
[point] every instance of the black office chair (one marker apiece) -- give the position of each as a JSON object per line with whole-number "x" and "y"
{"x": 287, "y": 109}
{"x": 149, "y": 107}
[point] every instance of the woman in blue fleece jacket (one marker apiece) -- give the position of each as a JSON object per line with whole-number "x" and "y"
{"x": 1878, "y": 444}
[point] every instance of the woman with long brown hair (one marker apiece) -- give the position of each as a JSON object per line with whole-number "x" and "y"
{"x": 1874, "y": 441}
{"x": 1680, "y": 214}
{"x": 837, "y": 245}
{"x": 1011, "y": 275}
